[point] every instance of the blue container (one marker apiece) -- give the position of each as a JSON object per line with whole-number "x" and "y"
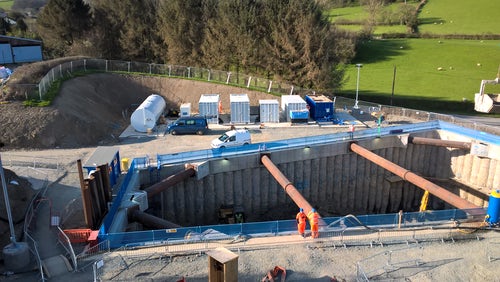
{"x": 493, "y": 207}
{"x": 320, "y": 107}
{"x": 300, "y": 114}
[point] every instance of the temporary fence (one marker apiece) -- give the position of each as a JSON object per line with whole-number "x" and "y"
{"x": 66, "y": 244}
{"x": 368, "y": 230}
{"x": 21, "y": 161}
{"x": 390, "y": 264}
{"x": 30, "y": 226}
{"x": 33, "y": 247}
{"x": 91, "y": 254}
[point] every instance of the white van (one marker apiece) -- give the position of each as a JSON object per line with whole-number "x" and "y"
{"x": 232, "y": 138}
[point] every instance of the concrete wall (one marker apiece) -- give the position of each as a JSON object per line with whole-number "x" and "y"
{"x": 331, "y": 178}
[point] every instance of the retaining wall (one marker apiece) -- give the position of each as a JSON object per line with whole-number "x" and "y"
{"x": 333, "y": 179}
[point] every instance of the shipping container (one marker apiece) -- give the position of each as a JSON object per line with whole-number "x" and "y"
{"x": 269, "y": 111}
{"x": 240, "y": 108}
{"x": 292, "y": 103}
{"x": 185, "y": 110}
{"x": 209, "y": 107}
{"x": 321, "y": 108}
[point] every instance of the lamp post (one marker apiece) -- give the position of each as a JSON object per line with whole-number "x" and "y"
{"x": 357, "y": 87}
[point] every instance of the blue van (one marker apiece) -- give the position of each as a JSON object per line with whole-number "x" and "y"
{"x": 189, "y": 125}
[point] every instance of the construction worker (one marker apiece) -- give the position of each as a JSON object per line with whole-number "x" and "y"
{"x": 314, "y": 222}
{"x": 301, "y": 222}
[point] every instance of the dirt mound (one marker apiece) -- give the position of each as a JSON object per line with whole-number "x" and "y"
{"x": 20, "y": 194}
{"x": 94, "y": 109}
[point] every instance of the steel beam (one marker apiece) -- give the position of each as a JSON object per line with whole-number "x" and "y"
{"x": 409, "y": 176}
{"x": 439, "y": 142}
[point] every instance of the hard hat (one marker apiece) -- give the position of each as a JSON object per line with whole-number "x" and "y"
{"x": 301, "y": 209}
{"x": 313, "y": 210}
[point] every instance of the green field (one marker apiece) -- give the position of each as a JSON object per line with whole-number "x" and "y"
{"x": 6, "y": 5}
{"x": 460, "y": 17}
{"x": 430, "y": 73}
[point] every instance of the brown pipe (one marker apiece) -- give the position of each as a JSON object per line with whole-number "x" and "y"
{"x": 169, "y": 181}
{"x": 151, "y": 221}
{"x": 439, "y": 142}
{"x": 419, "y": 181}
{"x": 295, "y": 195}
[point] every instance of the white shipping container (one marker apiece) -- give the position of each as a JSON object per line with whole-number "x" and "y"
{"x": 240, "y": 108}
{"x": 269, "y": 111}
{"x": 209, "y": 107}
{"x": 292, "y": 103}
{"x": 185, "y": 110}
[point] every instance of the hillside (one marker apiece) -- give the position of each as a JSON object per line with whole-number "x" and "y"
{"x": 94, "y": 109}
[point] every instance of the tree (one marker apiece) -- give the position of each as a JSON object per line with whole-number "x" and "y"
{"x": 130, "y": 27}
{"x": 232, "y": 34}
{"x": 62, "y": 22}
{"x": 301, "y": 46}
{"x": 180, "y": 26}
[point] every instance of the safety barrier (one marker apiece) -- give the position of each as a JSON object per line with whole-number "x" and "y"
{"x": 382, "y": 264}
{"x": 33, "y": 246}
{"x": 66, "y": 244}
{"x": 347, "y": 231}
{"x": 77, "y": 235}
{"x": 91, "y": 254}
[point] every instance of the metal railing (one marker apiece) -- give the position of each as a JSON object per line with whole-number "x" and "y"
{"x": 66, "y": 70}
{"x": 381, "y": 227}
{"x": 89, "y": 255}
{"x": 66, "y": 244}
{"x": 10, "y": 159}
{"x": 341, "y": 232}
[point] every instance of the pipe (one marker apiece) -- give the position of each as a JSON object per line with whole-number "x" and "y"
{"x": 170, "y": 181}
{"x": 295, "y": 195}
{"x": 151, "y": 221}
{"x": 439, "y": 142}
{"x": 419, "y": 181}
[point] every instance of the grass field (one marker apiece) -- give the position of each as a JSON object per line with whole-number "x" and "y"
{"x": 430, "y": 74}
{"x": 460, "y": 17}
{"x": 6, "y": 5}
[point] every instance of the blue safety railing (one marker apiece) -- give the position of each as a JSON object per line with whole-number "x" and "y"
{"x": 183, "y": 157}
{"x": 268, "y": 227}
{"x": 281, "y": 227}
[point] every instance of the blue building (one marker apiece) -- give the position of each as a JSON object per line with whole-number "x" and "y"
{"x": 14, "y": 50}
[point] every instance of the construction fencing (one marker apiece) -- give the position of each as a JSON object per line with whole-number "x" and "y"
{"x": 381, "y": 229}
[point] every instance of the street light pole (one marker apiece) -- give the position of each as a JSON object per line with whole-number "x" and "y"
{"x": 357, "y": 87}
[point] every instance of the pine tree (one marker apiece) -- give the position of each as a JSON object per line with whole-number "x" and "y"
{"x": 62, "y": 22}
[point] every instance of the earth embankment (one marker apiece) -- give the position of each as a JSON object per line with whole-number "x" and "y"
{"x": 94, "y": 109}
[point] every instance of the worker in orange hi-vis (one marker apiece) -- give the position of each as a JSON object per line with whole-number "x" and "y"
{"x": 314, "y": 222}
{"x": 220, "y": 107}
{"x": 301, "y": 218}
